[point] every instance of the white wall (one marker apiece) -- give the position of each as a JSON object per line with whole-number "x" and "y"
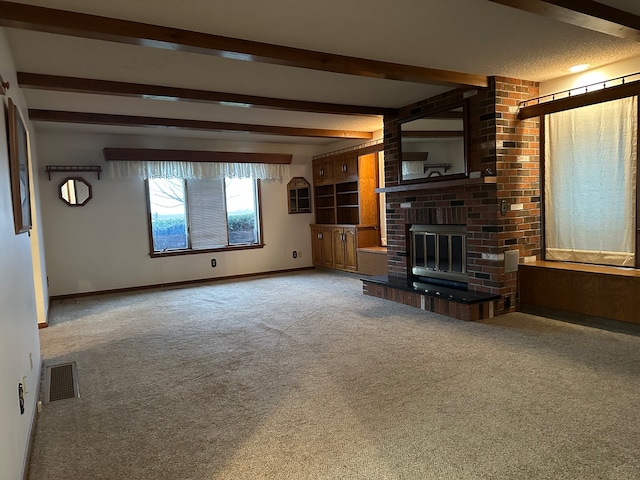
{"x": 104, "y": 245}
{"x": 18, "y": 307}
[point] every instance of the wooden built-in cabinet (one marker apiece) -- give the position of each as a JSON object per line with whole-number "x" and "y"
{"x": 336, "y": 246}
{"x": 322, "y": 245}
{"x": 347, "y": 214}
{"x": 344, "y": 248}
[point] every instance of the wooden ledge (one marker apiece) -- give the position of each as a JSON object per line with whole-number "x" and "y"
{"x": 585, "y": 267}
{"x": 377, "y": 250}
{"x": 464, "y": 182}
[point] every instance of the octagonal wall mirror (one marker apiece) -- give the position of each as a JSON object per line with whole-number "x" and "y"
{"x": 434, "y": 146}
{"x": 75, "y": 191}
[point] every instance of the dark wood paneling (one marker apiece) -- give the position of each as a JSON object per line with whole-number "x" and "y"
{"x": 606, "y": 292}
{"x": 63, "y": 22}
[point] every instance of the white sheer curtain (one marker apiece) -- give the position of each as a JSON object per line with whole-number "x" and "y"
{"x": 590, "y": 183}
{"x": 196, "y": 170}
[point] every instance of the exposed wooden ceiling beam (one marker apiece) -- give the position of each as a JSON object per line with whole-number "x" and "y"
{"x": 136, "y": 121}
{"x": 137, "y": 90}
{"x": 583, "y": 13}
{"x": 581, "y": 100}
{"x": 158, "y": 155}
{"x": 41, "y": 19}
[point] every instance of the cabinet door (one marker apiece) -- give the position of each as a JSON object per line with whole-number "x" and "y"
{"x": 321, "y": 246}
{"x": 317, "y": 171}
{"x": 338, "y": 248}
{"x": 350, "y": 249}
{"x": 323, "y": 170}
{"x": 327, "y": 247}
{"x": 350, "y": 163}
{"x": 345, "y": 167}
{"x": 316, "y": 246}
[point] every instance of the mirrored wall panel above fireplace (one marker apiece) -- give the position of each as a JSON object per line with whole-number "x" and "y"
{"x": 433, "y": 146}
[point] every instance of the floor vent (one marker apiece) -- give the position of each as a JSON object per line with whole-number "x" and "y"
{"x": 62, "y": 382}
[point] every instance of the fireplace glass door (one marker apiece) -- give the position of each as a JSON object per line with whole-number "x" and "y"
{"x": 439, "y": 251}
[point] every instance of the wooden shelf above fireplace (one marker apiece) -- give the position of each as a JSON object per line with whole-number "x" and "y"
{"x": 464, "y": 182}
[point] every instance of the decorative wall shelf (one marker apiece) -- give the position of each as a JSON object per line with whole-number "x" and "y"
{"x": 299, "y": 193}
{"x": 73, "y": 169}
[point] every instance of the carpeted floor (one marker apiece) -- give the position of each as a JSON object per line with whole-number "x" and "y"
{"x": 301, "y": 376}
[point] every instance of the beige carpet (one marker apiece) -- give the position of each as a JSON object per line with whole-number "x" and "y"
{"x": 301, "y": 376}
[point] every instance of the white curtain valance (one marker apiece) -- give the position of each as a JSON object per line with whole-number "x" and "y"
{"x": 195, "y": 170}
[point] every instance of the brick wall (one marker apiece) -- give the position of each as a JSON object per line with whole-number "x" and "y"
{"x": 500, "y": 145}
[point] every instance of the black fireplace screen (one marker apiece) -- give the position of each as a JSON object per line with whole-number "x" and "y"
{"x": 439, "y": 251}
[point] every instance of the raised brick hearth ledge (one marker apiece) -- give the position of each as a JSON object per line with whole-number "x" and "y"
{"x": 460, "y": 304}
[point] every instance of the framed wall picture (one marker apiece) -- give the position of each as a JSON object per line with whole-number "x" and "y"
{"x": 19, "y": 169}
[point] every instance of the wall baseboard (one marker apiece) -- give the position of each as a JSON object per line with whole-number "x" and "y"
{"x": 32, "y": 430}
{"x": 174, "y": 284}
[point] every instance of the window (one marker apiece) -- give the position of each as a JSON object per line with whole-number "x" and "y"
{"x": 590, "y": 184}
{"x": 199, "y": 215}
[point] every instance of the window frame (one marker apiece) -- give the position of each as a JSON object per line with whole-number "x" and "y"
{"x": 192, "y": 251}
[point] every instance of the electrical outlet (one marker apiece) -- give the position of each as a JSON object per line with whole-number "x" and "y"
{"x": 299, "y": 254}
{"x": 295, "y": 254}
{"x": 213, "y": 263}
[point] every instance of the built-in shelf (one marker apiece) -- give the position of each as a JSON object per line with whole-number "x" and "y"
{"x": 72, "y": 169}
{"x": 464, "y": 182}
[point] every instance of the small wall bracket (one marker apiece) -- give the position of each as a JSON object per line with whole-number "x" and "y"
{"x": 4, "y": 86}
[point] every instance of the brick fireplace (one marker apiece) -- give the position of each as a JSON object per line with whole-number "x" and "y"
{"x": 501, "y": 209}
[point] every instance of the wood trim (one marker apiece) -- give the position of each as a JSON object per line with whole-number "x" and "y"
{"x": 228, "y": 248}
{"x": 583, "y": 13}
{"x": 177, "y": 284}
{"x": 160, "y": 155}
{"x": 59, "y": 83}
{"x": 149, "y": 219}
{"x": 582, "y": 100}
{"x": 358, "y": 150}
{"x": 137, "y": 121}
{"x": 542, "y": 183}
{"x": 378, "y": 147}
{"x": 259, "y": 207}
{"x": 41, "y": 19}
{"x": 637, "y": 184}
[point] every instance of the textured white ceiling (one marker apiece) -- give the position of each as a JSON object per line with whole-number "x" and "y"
{"x": 473, "y": 36}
